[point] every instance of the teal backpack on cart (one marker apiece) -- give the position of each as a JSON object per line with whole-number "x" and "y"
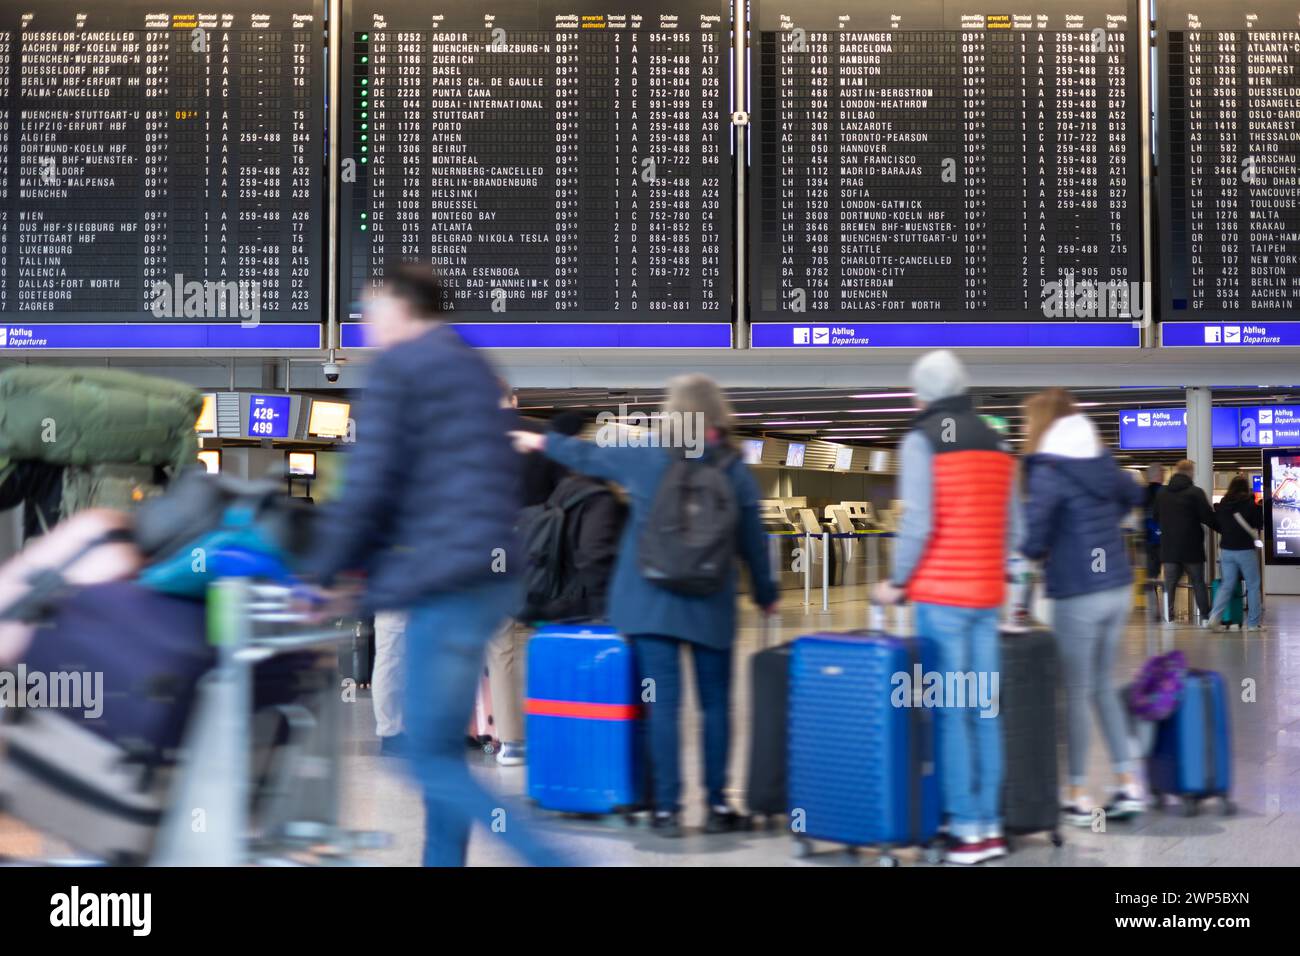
{"x": 209, "y": 526}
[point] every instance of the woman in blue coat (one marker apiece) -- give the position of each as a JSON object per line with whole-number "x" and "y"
{"x": 1076, "y": 500}
{"x": 660, "y": 622}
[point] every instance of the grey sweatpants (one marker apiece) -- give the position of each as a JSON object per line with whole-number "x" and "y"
{"x": 1088, "y": 629}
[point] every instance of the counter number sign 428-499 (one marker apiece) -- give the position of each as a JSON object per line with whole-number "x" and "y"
{"x": 268, "y": 416}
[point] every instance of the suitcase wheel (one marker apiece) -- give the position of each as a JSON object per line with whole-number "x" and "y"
{"x": 802, "y": 848}
{"x": 1057, "y": 839}
{"x": 1227, "y": 808}
{"x": 489, "y": 747}
{"x": 934, "y": 855}
{"x": 1189, "y": 807}
{"x": 888, "y": 859}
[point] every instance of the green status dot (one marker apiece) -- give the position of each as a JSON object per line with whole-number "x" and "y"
{"x": 365, "y": 36}
{"x": 365, "y": 59}
{"x": 364, "y": 81}
{"x": 365, "y": 126}
{"x": 364, "y": 137}
{"x": 364, "y": 215}
{"x": 364, "y": 115}
{"x": 365, "y": 159}
{"x": 363, "y": 227}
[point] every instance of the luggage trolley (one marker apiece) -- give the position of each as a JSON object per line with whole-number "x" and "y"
{"x": 297, "y": 821}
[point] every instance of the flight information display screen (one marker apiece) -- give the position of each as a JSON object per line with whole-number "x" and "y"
{"x": 160, "y": 161}
{"x": 554, "y": 159}
{"x": 1228, "y": 133}
{"x": 945, "y": 161}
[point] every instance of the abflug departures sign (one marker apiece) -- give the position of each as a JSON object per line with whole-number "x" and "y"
{"x": 559, "y": 161}
{"x": 1229, "y": 186}
{"x": 931, "y": 162}
{"x": 161, "y": 170}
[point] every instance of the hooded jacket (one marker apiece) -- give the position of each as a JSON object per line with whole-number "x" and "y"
{"x": 1076, "y": 500}
{"x": 1181, "y": 510}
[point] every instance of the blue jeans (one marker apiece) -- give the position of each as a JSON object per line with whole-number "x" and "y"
{"x": 970, "y": 746}
{"x": 1235, "y": 566}
{"x": 658, "y": 658}
{"x": 445, "y": 640}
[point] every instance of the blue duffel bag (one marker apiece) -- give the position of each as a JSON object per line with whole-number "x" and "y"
{"x": 209, "y": 526}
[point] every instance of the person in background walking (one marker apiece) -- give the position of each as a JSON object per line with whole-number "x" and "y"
{"x": 1076, "y": 499}
{"x": 659, "y": 621}
{"x": 1239, "y": 516}
{"x": 1183, "y": 511}
{"x": 386, "y": 681}
{"x": 427, "y": 509}
{"x": 960, "y": 525}
{"x": 1155, "y": 475}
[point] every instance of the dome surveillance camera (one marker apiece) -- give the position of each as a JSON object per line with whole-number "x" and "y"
{"x": 331, "y": 370}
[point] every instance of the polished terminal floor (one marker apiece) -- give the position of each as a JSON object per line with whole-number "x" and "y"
{"x": 1266, "y": 739}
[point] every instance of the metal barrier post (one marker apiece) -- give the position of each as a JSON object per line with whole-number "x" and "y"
{"x": 826, "y": 570}
{"x": 807, "y": 568}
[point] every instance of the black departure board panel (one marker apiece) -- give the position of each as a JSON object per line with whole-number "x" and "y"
{"x": 161, "y": 160}
{"x": 939, "y": 160}
{"x": 1229, "y": 140}
{"x": 555, "y": 159}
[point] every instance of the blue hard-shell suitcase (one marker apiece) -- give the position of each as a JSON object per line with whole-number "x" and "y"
{"x": 583, "y": 720}
{"x": 861, "y": 766}
{"x": 1192, "y": 756}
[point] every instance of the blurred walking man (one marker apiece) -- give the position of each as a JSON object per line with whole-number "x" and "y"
{"x": 427, "y": 510}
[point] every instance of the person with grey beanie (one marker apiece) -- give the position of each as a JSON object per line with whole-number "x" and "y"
{"x": 955, "y": 466}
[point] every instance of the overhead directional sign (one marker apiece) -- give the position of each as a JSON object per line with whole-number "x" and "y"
{"x": 1269, "y": 426}
{"x": 1166, "y": 428}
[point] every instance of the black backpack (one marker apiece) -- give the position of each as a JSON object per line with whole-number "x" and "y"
{"x": 541, "y": 527}
{"x": 688, "y": 544}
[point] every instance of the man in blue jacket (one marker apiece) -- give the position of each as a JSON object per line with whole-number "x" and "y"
{"x": 427, "y": 511}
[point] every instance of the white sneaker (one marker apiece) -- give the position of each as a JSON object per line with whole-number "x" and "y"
{"x": 1078, "y": 813}
{"x": 1126, "y": 802}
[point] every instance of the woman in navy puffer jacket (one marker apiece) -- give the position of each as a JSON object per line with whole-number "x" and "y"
{"x": 1076, "y": 500}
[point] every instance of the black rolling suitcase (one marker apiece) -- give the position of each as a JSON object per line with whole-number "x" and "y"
{"x": 1027, "y": 701}
{"x": 769, "y": 684}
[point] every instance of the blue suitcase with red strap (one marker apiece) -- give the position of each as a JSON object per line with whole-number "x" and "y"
{"x": 583, "y": 725}
{"x": 862, "y": 755}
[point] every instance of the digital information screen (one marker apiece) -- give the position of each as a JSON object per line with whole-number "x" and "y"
{"x": 934, "y": 162}
{"x": 1228, "y": 132}
{"x": 1282, "y": 508}
{"x": 564, "y": 162}
{"x": 268, "y": 416}
{"x": 161, "y": 171}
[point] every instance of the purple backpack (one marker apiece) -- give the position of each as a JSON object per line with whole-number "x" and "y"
{"x": 1153, "y": 695}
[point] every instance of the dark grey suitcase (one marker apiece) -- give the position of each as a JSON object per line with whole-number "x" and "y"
{"x": 765, "y": 792}
{"x": 1027, "y": 700}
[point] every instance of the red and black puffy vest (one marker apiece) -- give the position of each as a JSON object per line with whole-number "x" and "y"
{"x": 965, "y": 561}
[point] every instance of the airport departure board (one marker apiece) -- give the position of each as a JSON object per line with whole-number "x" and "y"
{"x": 161, "y": 161}
{"x": 1228, "y": 135}
{"x": 945, "y": 161}
{"x": 555, "y": 159}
